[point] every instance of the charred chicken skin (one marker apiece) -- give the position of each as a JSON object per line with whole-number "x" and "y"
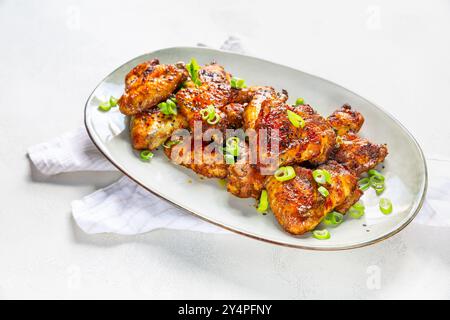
{"x": 148, "y": 84}
{"x": 346, "y": 120}
{"x": 297, "y": 204}
{"x": 313, "y": 142}
{"x": 358, "y": 154}
{"x": 214, "y": 91}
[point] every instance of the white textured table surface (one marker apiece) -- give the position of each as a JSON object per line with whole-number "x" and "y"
{"x": 54, "y": 52}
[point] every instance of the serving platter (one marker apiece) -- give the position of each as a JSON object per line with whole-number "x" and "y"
{"x": 404, "y": 168}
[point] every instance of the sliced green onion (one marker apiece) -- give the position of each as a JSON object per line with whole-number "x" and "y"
{"x": 193, "y": 68}
{"x": 285, "y": 173}
{"x": 222, "y": 182}
{"x": 373, "y": 172}
{"x": 385, "y": 206}
{"x": 364, "y": 184}
{"x": 168, "y": 108}
{"x": 322, "y": 176}
{"x": 174, "y": 99}
{"x": 295, "y": 119}
{"x": 323, "y": 191}
{"x": 238, "y": 83}
{"x": 209, "y": 114}
{"x": 146, "y": 155}
{"x": 299, "y": 102}
{"x": 104, "y": 106}
{"x": 379, "y": 188}
{"x": 170, "y": 143}
{"x": 376, "y": 179}
{"x": 321, "y": 234}
{"x": 356, "y": 211}
{"x": 333, "y": 218}
{"x": 215, "y": 120}
{"x": 263, "y": 202}
{"x": 233, "y": 146}
{"x": 113, "y": 101}
{"x": 229, "y": 158}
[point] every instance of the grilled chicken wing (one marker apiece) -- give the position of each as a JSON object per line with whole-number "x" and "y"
{"x": 148, "y": 84}
{"x": 358, "y": 154}
{"x": 299, "y": 207}
{"x": 346, "y": 120}
{"x": 258, "y": 96}
{"x": 215, "y": 90}
{"x": 151, "y": 128}
{"x": 313, "y": 142}
{"x": 206, "y": 161}
{"x": 244, "y": 178}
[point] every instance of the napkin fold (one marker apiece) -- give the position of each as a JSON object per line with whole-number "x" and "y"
{"x": 126, "y": 208}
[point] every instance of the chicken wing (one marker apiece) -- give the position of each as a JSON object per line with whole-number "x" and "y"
{"x": 258, "y": 96}
{"x": 148, "y": 84}
{"x": 149, "y": 129}
{"x": 297, "y": 204}
{"x": 346, "y": 120}
{"x": 215, "y": 91}
{"x": 358, "y": 154}
{"x": 206, "y": 160}
{"x": 313, "y": 142}
{"x": 244, "y": 178}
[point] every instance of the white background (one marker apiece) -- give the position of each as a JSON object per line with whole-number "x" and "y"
{"x": 53, "y": 53}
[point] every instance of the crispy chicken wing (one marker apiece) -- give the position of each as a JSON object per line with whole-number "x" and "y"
{"x": 206, "y": 161}
{"x": 313, "y": 142}
{"x": 346, "y": 120}
{"x": 258, "y": 96}
{"x": 215, "y": 90}
{"x": 148, "y": 84}
{"x": 297, "y": 204}
{"x": 244, "y": 178}
{"x": 358, "y": 154}
{"x": 149, "y": 129}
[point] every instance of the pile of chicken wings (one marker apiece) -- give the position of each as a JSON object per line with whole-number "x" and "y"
{"x": 329, "y": 143}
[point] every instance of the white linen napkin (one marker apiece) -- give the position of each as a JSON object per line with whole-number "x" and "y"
{"x": 126, "y": 208}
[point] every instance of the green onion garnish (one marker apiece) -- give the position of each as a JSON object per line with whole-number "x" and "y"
{"x": 233, "y": 146}
{"x": 373, "y": 172}
{"x": 356, "y": 211}
{"x": 229, "y": 158}
{"x": 299, "y": 102}
{"x": 364, "y": 184}
{"x": 263, "y": 202}
{"x": 104, "y": 106}
{"x": 209, "y": 114}
{"x": 215, "y": 120}
{"x": 238, "y": 83}
{"x": 193, "y": 68}
{"x": 333, "y": 219}
{"x": 222, "y": 182}
{"x": 322, "y": 176}
{"x": 385, "y": 206}
{"x": 168, "y": 108}
{"x": 323, "y": 191}
{"x": 295, "y": 119}
{"x": 113, "y": 101}
{"x": 321, "y": 234}
{"x": 284, "y": 173}
{"x": 168, "y": 144}
{"x": 146, "y": 155}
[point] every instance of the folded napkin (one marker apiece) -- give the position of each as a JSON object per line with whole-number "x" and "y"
{"x": 126, "y": 208}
